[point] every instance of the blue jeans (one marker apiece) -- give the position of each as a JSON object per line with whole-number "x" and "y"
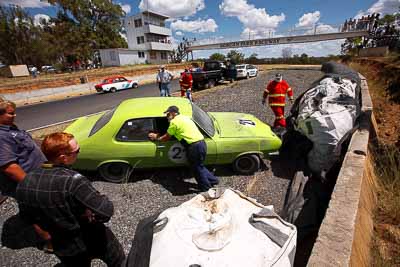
{"x": 165, "y": 89}
{"x": 196, "y": 154}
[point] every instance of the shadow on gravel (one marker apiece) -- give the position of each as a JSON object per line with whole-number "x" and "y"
{"x": 16, "y": 234}
{"x": 175, "y": 180}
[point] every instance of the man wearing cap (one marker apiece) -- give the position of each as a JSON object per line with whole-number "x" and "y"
{"x": 187, "y": 133}
{"x": 164, "y": 77}
{"x": 276, "y": 92}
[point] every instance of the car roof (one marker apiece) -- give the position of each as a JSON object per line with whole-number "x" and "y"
{"x": 150, "y": 107}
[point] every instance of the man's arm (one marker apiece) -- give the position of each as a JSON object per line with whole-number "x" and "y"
{"x": 99, "y": 207}
{"x": 14, "y": 171}
{"x": 156, "y": 137}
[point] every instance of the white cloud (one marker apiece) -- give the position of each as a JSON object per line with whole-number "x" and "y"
{"x": 25, "y": 3}
{"x": 126, "y": 8}
{"x": 255, "y": 20}
{"x": 309, "y": 19}
{"x": 173, "y": 8}
{"x": 38, "y": 18}
{"x": 197, "y": 26}
{"x": 381, "y": 6}
{"x": 322, "y": 28}
{"x": 179, "y": 33}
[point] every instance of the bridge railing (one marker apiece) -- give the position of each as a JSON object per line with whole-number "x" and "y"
{"x": 295, "y": 31}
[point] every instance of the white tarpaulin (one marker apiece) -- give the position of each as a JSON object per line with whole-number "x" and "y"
{"x": 222, "y": 228}
{"x": 326, "y": 114}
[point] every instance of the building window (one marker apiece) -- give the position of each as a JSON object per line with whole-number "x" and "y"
{"x": 153, "y": 55}
{"x": 113, "y": 56}
{"x": 138, "y": 23}
{"x": 141, "y": 54}
{"x": 164, "y": 55}
{"x": 140, "y": 39}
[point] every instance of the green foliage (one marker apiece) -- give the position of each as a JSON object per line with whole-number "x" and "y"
{"x": 79, "y": 28}
{"x": 235, "y": 57}
{"x": 217, "y": 56}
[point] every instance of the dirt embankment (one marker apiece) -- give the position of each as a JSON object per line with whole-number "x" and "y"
{"x": 21, "y": 84}
{"x": 384, "y": 86}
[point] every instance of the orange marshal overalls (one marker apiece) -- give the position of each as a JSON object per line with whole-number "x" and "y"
{"x": 276, "y": 93}
{"x": 186, "y": 82}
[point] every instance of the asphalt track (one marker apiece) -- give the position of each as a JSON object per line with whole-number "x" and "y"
{"x": 38, "y": 115}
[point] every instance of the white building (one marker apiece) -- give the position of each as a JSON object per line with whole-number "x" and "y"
{"x": 148, "y": 41}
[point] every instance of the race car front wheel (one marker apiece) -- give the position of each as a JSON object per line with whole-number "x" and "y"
{"x": 115, "y": 172}
{"x": 246, "y": 164}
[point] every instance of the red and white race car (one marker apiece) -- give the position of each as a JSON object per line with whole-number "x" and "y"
{"x": 113, "y": 84}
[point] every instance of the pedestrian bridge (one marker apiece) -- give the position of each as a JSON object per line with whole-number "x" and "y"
{"x": 277, "y": 40}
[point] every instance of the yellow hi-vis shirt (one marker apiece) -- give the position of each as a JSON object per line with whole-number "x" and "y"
{"x": 182, "y": 127}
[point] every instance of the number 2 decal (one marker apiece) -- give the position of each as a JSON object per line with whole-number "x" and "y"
{"x": 177, "y": 153}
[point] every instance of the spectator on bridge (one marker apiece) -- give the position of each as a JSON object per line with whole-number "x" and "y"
{"x": 276, "y": 93}
{"x": 164, "y": 77}
{"x": 64, "y": 203}
{"x": 19, "y": 154}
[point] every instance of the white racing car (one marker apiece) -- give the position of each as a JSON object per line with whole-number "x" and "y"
{"x": 113, "y": 84}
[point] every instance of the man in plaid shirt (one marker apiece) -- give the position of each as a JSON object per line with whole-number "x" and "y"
{"x": 64, "y": 203}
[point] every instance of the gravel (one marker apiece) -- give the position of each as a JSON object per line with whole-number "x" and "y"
{"x": 150, "y": 191}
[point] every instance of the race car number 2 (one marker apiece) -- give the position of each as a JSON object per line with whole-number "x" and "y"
{"x": 177, "y": 153}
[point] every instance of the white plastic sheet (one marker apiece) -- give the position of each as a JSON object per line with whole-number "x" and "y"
{"x": 217, "y": 232}
{"x": 327, "y": 113}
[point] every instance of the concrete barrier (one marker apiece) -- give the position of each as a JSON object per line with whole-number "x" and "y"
{"x": 48, "y": 94}
{"x": 345, "y": 233}
{"x": 374, "y": 52}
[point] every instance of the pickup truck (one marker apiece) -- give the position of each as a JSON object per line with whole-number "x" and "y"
{"x": 213, "y": 72}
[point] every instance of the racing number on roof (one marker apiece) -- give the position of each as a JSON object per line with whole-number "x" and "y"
{"x": 247, "y": 122}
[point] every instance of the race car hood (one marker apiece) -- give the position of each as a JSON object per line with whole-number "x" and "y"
{"x": 82, "y": 127}
{"x": 238, "y": 125}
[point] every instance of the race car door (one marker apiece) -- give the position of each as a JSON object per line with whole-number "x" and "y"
{"x": 134, "y": 144}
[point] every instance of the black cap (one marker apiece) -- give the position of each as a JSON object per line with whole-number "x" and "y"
{"x": 174, "y": 109}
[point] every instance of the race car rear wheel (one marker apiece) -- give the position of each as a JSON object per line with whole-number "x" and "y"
{"x": 247, "y": 164}
{"x": 135, "y": 85}
{"x": 115, "y": 172}
{"x": 113, "y": 90}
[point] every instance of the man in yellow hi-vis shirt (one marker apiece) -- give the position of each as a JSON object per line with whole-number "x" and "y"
{"x": 187, "y": 133}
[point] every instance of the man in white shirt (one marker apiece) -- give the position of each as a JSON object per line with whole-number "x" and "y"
{"x": 164, "y": 77}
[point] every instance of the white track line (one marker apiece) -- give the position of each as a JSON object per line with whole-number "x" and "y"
{"x": 61, "y": 122}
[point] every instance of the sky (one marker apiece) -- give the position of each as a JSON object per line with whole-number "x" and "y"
{"x": 244, "y": 19}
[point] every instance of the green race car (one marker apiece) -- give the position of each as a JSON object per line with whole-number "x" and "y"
{"x": 115, "y": 142}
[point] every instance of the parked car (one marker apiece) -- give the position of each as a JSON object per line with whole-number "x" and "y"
{"x": 113, "y": 84}
{"x": 115, "y": 142}
{"x": 48, "y": 69}
{"x": 246, "y": 71}
{"x": 213, "y": 72}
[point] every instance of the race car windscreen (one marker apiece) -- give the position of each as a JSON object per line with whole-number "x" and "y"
{"x": 103, "y": 120}
{"x": 204, "y": 121}
{"x": 240, "y": 66}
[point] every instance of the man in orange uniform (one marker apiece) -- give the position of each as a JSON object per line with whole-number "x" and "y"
{"x": 186, "y": 82}
{"x": 276, "y": 92}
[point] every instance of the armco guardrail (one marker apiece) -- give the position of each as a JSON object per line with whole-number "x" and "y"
{"x": 345, "y": 233}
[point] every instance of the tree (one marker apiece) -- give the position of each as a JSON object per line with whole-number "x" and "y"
{"x": 252, "y": 59}
{"x": 235, "y": 56}
{"x": 217, "y": 56}
{"x": 83, "y": 26}
{"x": 287, "y": 52}
{"x": 21, "y": 42}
